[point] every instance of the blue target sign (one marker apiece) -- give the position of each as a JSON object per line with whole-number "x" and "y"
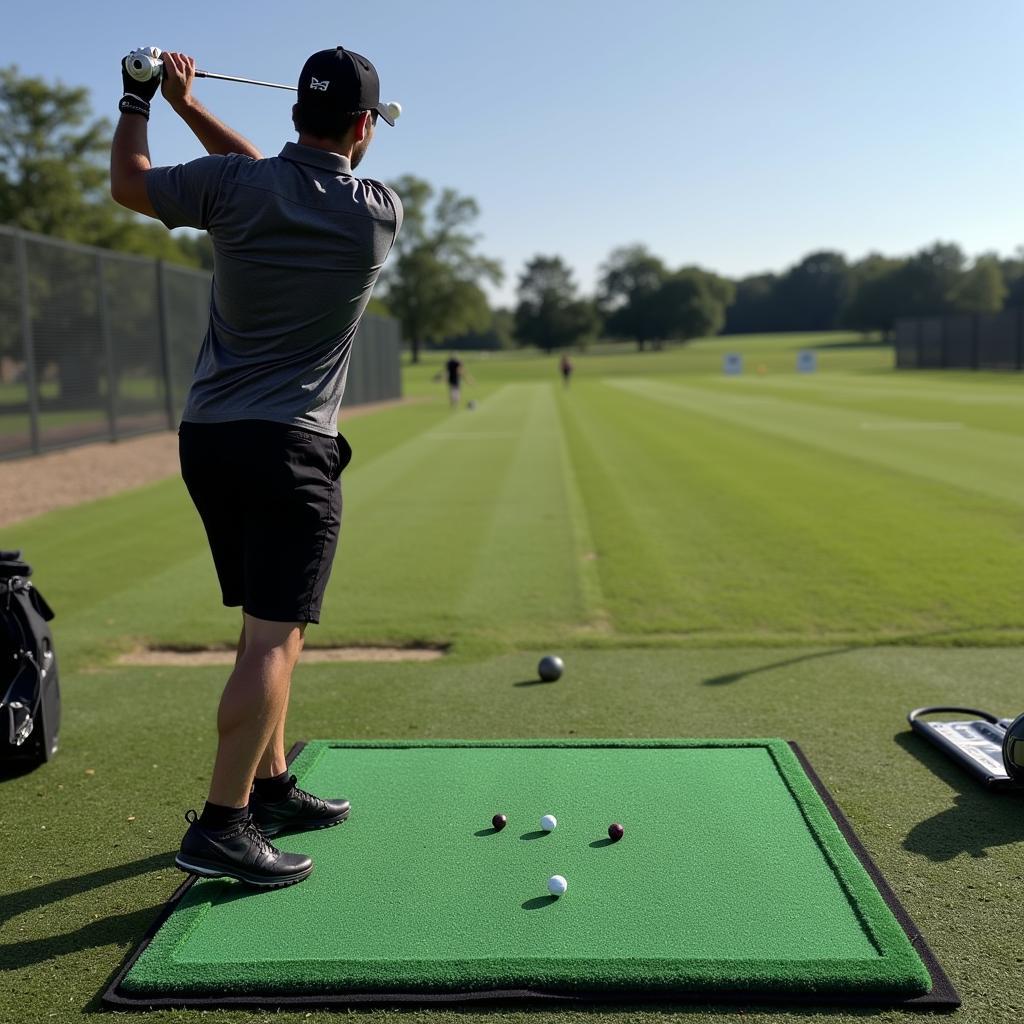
{"x": 732, "y": 364}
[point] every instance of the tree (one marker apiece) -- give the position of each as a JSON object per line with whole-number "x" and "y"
{"x": 810, "y": 295}
{"x": 1013, "y": 275}
{"x": 981, "y": 289}
{"x": 549, "y": 315}
{"x": 54, "y": 176}
{"x": 753, "y": 307}
{"x": 54, "y": 181}
{"x": 630, "y": 277}
{"x": 433, "y": 280}
{"x": 927, "y": 279}
{"x": 875, "y": 298}
{"x": 690, "y": 303}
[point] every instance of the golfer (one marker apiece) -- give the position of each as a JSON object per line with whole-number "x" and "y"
{"x": 299, "y": 242}
{"x": 455, "y": 374}
{"x": 565, "y": 368}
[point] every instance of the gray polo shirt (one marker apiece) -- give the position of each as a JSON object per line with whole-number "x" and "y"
{"x": 298, "y": 244}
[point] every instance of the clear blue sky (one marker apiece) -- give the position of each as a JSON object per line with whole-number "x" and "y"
{"x": 737, "y": 134}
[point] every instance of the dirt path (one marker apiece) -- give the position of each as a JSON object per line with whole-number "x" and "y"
{"x": 41, "y": 483}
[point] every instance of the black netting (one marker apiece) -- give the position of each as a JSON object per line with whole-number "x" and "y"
{"x": 958, "y": 342}
{"x": 983, "y": 341}
{"x": 999, "y": 340}
{"x": 136, "y": 362}
{"x": 15, "y": 421}
{"x": 70, "y": 365}
{"x": 113, "y": 341}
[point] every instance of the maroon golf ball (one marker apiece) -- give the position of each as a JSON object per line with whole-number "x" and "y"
{"x": 499, "y": 821}
{"x": 615, "y": 832}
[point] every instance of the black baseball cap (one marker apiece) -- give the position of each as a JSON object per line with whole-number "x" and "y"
{"x": 341, "y": 80}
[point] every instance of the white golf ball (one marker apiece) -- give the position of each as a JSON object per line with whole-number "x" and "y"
{"x": 394, "y": 110}
{"x": 557, "y": 885}
{"x": 548, "y": 822}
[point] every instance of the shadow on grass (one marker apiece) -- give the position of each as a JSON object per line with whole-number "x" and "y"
{"x": 535, "y": 682}
{"x": 860, "y": 343}
{"x": 735, "y": 677}
{"x": 910, "y": 640}
{"x": 978, "y": 821}
{"x": 120, "y": 929}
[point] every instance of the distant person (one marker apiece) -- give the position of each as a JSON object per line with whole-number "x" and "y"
{"x": 455, "y": 373}
{"x": 566, "y": 369}
{"x": 299, "y": 242}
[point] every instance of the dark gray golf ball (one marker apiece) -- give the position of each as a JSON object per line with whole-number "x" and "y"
{"x": 499, "y": 821}
{"x": 550, "y": 668}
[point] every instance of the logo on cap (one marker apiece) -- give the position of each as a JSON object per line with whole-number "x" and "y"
{"x": 322, "y": 86}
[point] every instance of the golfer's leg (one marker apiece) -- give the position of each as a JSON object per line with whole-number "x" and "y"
{"x": 274, "y": 761}
{"x": 240, "y": 648}
{"x": 252, "y": 706}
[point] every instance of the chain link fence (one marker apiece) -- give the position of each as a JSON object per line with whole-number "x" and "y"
{"x": 97, "y": 345}
{"x": 969, "y": 341}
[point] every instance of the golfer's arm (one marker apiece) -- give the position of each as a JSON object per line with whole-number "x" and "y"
{"x": 217, "y": 138}
{"x": 129, "y": 164}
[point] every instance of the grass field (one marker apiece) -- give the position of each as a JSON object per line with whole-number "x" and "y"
{"x": 807, "y": 556}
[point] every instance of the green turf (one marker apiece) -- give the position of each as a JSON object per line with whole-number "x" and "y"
{"x": 732, "y": 875}
{"x": 706, "y": 570}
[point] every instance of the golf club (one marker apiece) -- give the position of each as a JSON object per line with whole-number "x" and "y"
{"x": 145, "y": 63}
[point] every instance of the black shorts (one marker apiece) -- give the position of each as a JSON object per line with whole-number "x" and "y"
{"x": 270, "y": 499}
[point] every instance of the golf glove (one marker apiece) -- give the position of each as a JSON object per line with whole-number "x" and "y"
{"x": 137, "y": 94}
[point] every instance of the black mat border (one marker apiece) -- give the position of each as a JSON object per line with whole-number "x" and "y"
{"x": 942, "y": 998}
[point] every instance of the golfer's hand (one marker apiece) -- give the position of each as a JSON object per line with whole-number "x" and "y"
{"x": 179, "y": 73}
{"x": 144, "y": 91}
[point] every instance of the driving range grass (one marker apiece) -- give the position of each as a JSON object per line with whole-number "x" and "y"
{"x": 801, "y": 556}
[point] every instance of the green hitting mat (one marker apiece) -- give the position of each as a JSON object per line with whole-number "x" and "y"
{"x": 737, "y": 879}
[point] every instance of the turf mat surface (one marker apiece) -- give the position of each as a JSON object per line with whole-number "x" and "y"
{"x": 733, "y": 878}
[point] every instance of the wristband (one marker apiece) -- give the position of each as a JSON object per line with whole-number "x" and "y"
{"x": 133, "y": 105}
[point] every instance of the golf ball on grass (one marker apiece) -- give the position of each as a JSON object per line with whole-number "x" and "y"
{"x": 499, "y": 821}
{"x": 557, "y": 885}
{"x": 550, "y": 668}
{"x": 549, "y": 822}
{"x": 615, "y": 832}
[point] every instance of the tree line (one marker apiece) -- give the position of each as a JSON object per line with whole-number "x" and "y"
{"x": 641, "y": 299}
{"x": 53, "y": 180}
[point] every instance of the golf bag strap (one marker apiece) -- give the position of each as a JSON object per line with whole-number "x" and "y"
{"x": 29, "y": 668}
{"x": 12, "y": 566}
{"x": 17, "y": 585}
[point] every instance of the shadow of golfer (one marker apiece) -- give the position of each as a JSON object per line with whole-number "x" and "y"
{"x": 117, "y": 929}
{"x": 979, "y": 820}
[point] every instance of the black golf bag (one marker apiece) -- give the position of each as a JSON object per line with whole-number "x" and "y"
{"x": 29, "y": 690}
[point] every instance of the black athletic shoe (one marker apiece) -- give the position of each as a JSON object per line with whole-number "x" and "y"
{"x": 299, "y": 811}
{"x": 242, "y": 852}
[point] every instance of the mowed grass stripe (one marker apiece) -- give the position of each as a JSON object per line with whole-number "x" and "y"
{"x": 529, "y": 568}
{"x": 1002, "y": 412}
{"x": 711, "y": 530}
{"x": 983, "y": 461}
{"x": 474, "y": 516}
{"x": 135, "y": 567}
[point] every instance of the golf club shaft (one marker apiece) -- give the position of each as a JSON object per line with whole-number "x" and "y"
{"x": 247, "y": 81}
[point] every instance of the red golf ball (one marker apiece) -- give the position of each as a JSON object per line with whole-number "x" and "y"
{"x": 615, "y": 832}
{"x": 499, "y": 821}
